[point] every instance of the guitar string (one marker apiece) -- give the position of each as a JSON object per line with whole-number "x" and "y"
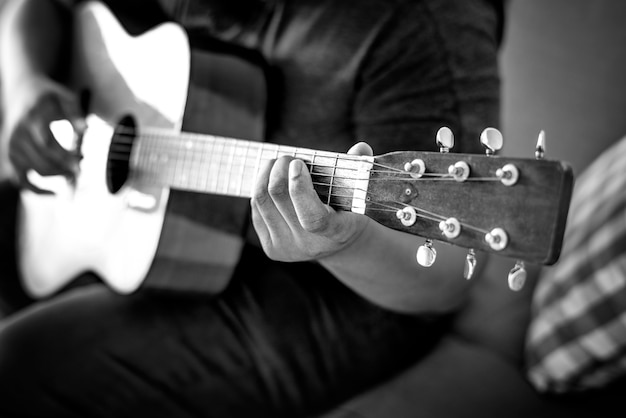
{"x": 367, "y": 192}
{"x": 177, "y": 148}
{"x": 433, "y": 216}
{"x": 337, "y": 156}
{"x": 424, "y": 213}
{"x": 404, "y": 175}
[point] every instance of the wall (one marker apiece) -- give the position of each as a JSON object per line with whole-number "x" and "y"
{"x": 564, "y": 71}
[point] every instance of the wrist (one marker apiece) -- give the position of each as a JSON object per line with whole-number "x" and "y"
{"x": 352, "y": 249}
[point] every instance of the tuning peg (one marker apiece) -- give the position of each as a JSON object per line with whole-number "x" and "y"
{"x": 492, "y": 140}
{"x": 416, "y": 168}
{"x": 517, "y": 276}
{"x": 451, "y": 227}
{"x": 407, "y": 215}
{"x": 426, "y": 254}
{"x": 470, "y": 264}
{"x": 540, "y": 149}
{"x": 445, "y": 139}
{"x": 460, "y": 171}
{"x": 508, "y": 174}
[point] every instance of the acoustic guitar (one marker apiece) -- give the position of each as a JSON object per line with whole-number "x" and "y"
{"x": 137, "y": 160}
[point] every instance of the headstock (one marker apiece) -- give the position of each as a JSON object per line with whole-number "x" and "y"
{"x": 509, "y": 206}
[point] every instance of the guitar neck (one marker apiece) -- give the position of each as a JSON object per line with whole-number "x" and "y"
{"x": 511, "y": 206}
{"x": 227, "y": 166}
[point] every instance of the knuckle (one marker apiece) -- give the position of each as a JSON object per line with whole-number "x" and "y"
{"x": 278, "y": 187}
{"x": 316, "y": 225}
{"x": 278, "y": 184}
{"x": 259, "y": 196}
{"x": 297, "y": 188}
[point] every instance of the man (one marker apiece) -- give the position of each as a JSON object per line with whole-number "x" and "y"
{"x": 349, "y": 309}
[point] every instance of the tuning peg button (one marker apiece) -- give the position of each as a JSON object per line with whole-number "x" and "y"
{"x": 540, "y": 149}
{"x": 451, "y": 227}
{"x": 426, "y": 254}
{"x": 492, "y": 140}
{"x": 470, "y": 265}
{"x": 460, "y": 171}
{"x": 416, "y": 168}
{"x": 517, "y": 276}
{"x": 508, "y": 174}
{"x": 497, "y": 239}
{"x": 407, "y": 215}
{"x": 445, "y": 139}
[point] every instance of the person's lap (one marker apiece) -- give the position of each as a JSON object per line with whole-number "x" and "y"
{"x": 281, "y": 339}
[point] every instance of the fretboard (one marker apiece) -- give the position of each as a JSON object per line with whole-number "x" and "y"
{"x": 227, "y": 166}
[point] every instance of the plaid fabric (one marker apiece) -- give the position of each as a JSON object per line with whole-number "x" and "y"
{"x": 577, "y": 335}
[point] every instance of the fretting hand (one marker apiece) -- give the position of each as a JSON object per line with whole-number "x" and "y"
{"x": 290, "y": 219}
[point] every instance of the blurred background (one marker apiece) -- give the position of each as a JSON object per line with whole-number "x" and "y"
{"x": 564, "y": 70}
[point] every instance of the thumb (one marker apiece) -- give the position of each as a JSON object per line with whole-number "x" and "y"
{"x": 361, "y": 148}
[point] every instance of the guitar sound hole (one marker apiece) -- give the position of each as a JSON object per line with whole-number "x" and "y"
{"x": 118, "y": 163}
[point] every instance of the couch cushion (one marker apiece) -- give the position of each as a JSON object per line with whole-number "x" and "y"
{"x": 577, "y": 335}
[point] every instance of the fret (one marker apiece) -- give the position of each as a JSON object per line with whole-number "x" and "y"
{"x": 230, "y": 167}
{"x": 187, "y": 163}
{"x": 332, "y": 179}
{"x": 207, "y": 146}
{"x": 157, "y": 154}
{"x": 217, "y": 163}
{"x": 193, "y": 177}
{"x": 243, "y": 168}
{"x": 257, "y": 165}
{"x": 177, "y": 164}
{"x": 312, "y": 162}
{"x": 199, "y": 162}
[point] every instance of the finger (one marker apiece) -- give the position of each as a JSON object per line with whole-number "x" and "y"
{"x": 313, "y": 216}
{"x": 24, "y": 182}
{"x": 36, "y": 141}
{"x": 361, "y": 148}
{"x": 278, "y": 189}
{"x": 65, "y": 162}
{"x": 65, "y": 104}
{"x": 25, "y": 154}
{"x": 263, "y": 232}
{"x": 64, "y": 107}
{"x": 263, "y": 203}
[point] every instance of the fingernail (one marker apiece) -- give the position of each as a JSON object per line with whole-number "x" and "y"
{"x": 296, "y": 168}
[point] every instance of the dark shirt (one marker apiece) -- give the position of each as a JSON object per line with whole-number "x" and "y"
{"x": 389, "y": 72}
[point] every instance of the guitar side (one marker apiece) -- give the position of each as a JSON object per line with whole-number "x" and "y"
{"x": 87, "y": 228}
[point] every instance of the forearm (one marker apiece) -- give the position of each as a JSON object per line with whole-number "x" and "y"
{"x": 381, "y": 266}
{"x": 32, "y": 41}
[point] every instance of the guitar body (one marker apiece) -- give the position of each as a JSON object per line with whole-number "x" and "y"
{"x": 124, "y": 235}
